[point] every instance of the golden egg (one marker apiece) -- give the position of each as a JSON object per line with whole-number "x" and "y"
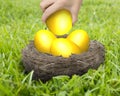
{"x": 63, "y": 47}
{"x": 80, "y": 38}
{"x": 59, "y": 22}
{"x": 43, "y": 40}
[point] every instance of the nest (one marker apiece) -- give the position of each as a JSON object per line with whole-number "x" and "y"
{"x": 45, "y": 66}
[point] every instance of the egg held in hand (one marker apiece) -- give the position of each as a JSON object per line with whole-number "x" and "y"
{"x": 63, "y": 47}
{"x": 60, "y": 22}
{"x": 43, "y": 40}
{"x": 80, "y": 38}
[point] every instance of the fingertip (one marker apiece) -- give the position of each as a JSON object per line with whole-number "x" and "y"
{"x": 74, "y": 19}
{"x": 43, "y": 19}
{"x": 46, "y": 14}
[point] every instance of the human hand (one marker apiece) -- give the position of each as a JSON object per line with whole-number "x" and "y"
{"x": 50, "y": 6}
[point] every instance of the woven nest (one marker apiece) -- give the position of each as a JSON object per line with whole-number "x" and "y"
{"x": 46, "y": 66}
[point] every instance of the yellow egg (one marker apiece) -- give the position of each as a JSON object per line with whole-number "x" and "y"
{"x": 63, "y": 47}
{"x": 80, "y": 38}
{"x": 60, "y": 22}
{"x": 43, "y": 40}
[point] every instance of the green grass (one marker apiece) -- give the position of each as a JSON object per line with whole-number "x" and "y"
{"x": 21, "y": 19}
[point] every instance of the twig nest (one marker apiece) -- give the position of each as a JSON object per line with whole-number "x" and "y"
{"x": 46, "y": 66}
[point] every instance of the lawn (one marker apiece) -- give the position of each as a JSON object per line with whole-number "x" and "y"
{"x": 21, "y": 19}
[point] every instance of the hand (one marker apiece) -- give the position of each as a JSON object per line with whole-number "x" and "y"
{"x": 50, "y": 6}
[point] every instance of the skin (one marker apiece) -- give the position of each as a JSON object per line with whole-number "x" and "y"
{"x": 50, "y": 6}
